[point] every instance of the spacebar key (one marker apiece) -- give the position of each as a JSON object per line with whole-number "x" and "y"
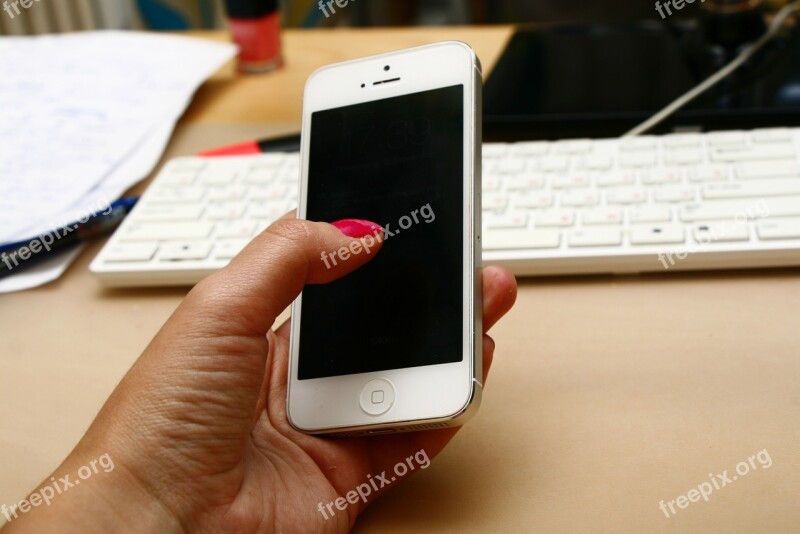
{"x": 167, "y": 232}
{"x": 521, "y": 239}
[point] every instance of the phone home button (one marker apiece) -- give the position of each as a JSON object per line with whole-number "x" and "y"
{"x": 377, "y": 397}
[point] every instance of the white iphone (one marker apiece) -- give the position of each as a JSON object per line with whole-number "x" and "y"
{"x": 396, "y": 345}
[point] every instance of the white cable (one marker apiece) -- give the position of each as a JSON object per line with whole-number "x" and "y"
{"x": 723, "y": 73}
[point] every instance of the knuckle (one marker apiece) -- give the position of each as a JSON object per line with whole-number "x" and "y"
{"x": 291, "y": 230}
{"x": 205, "y": 293}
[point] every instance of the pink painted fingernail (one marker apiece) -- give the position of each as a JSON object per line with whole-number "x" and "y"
{"x": 357, "y": 228}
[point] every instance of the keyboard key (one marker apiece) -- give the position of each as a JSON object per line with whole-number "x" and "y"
{"x": 225, "y": 212}
{"x": 650, "y": 214}
{"x": 768, "y": 169}
{"x": 555, "y": 218}
{"x": 189, "y": 250}
{"x": 292, "y": 162}
{"x": 619, "y": 178}
{"x": 525, "y": 182}
{"x": 492, "y": 182}
{"x": 166, "y": 213}
{"x": 509, "y": 166}
{"x": 573, "y": 146}
{"x": 675, "y": 193}
{"x": 494, "y": 150}
{"x": 555, "y": 163}
{"x": 522, "y": 239}
{"x": 140, "y": 252}
{"x": 266, "y": 211}
{"x": 630, "y": 144}
{"x": 221, "y": 194}
{"x": 597, "y": 163}
{"x": 626, "y": 195}
{"x": 758, "y": 188}
{"x": 708, "y": 173}
{"x": 678, "y": 140}
{"x": 779, "y": 229}
{"x": 726, "y": 232}
{"x": 580, "y": 198}
{"x": 495, "y": 201}
{"x": 262, "y": 177}
{"x": 662, "y": 176}
{"x": 167, "y": 231}
{"x": 712, "y": 211}
{"x": 170, "y": 195}
{"x": 601, "y": 216}
{"x": 178, "y": 179}
{"x": 772, "y": 135}
{"x": 683, "y": 156}
{"x": 240, "y": 229}
{"x": 727, "y": 139}
{"x": 290, "y": 177}
{"x": 658, "y": 234}
{"x": 570, "y": 181}
{"x": 217, "y": 177}
{"x": 535, "y": 148}
{"x": 533, "y": 201}
{"x": 227, "y": 249}
{"x": 272, "y": 192}
{"x": 637, "y": 159}
{"x": 754, "y": 153}
{"x": 595, "y": 237}
{"x": 751, "y": 208}
{"x": 506, "y": 221}
{"x": 270, "y": 162}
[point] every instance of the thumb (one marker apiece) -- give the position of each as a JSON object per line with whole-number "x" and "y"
{"x": 246, "y": 297}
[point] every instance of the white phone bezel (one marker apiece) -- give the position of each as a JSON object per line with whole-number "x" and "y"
{"x": 437, "y": 393}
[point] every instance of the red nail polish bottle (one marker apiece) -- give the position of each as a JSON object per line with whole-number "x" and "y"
{"x": 256, "y": 28}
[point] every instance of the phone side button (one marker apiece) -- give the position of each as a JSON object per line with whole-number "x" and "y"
{"x": 377, "y": 397}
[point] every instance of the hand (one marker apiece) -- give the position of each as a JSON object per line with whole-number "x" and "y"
{"x": 197, "y": 429}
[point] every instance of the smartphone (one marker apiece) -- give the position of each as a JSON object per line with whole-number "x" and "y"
{"x": 396, "y": 345}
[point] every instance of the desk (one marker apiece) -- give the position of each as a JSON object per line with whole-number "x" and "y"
{"x": 608, "y": 394}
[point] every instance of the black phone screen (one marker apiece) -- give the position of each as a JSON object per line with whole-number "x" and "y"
{"x": 398, "y": 162}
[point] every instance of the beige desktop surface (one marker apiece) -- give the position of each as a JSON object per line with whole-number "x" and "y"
{"x": 608, "y": 394}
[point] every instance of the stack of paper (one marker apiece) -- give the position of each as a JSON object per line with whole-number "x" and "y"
{"x": 84, "y": 117}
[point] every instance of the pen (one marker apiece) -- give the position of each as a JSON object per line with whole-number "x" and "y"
{"x": 290, "y": 143}
{"x": 15, "y": 257}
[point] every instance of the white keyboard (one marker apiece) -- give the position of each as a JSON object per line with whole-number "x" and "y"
{"x": 679, "y": 202}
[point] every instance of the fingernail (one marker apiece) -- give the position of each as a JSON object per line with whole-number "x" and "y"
{"x": 357, "y": 228}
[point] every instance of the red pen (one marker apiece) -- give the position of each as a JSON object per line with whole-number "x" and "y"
{"x": 289, "y": 143}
